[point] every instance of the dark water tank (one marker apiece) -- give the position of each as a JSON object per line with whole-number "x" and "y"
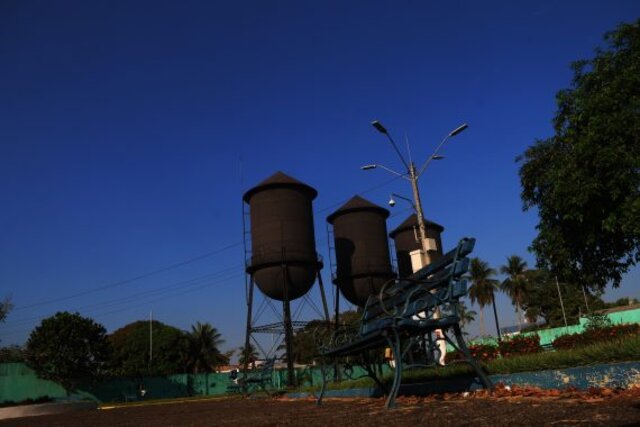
{"x": 362, "y": 249}
{"x": 404, "y": 237}
{"x": 282, "y": 234}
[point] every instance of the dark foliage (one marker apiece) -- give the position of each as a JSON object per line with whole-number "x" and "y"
{"x": 519, "y": 344}
{"x": 584, "y": 181}
{"x": 595, "y": 335}
{"x": 68, "y": 349}
{"x": 131, "y": 350}
{"x": 12, "y": 354}
{"x": 541, "y": 299}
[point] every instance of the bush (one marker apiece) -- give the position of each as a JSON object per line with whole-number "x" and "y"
{"x": 520, "y": 344}
{"x": 597, "y": 321}
{"x": 595, "y": 335}
{"x": 480, "y": 352}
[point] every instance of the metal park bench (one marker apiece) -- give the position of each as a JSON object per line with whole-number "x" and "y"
{"x": 260, "y": 379}
{"x": 403, "y": 317}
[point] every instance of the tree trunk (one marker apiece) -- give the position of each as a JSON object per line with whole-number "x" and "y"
{"x": 495, "y": 314}
{"x": 519, "y": 311}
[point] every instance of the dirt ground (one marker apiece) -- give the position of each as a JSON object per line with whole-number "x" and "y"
{"x": 522, "y": 407}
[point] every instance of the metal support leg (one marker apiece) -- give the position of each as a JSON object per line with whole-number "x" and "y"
{"x": 247, "y": 341}
{"x": 336, "y": 305}
{"x": 323, "y": 372}
{"x": 325, "y": 306}
{"x": 288, "y": 329}
{"x": 482, "y": 375}
{"x": 394, "y": 343}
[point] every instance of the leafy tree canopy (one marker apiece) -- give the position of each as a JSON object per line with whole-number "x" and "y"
{"x": 483, "y": 283}
{"x": 68, "y": 349}
{"x": 5, "y": 308}
{"x": 541, "y": 299}
{"x": 585, "y": 179}
{"x": 12, "y": 354}
{"x": 305, "y": 340}
{"x": 131, "y": 350}
{"x": 204, "y": 353}
{"x": 250, "y": 354}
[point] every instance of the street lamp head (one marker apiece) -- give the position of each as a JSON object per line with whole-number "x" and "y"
{"x": 367, "y": 167}
{"x": 376, "y": 124}
{"x": 392, "y": 202}
{"x": 458, "y": 129}
{"x": 437, "y": 157}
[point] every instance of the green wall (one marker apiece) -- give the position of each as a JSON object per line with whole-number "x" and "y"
{"x": 18, "y": 382}
{"x": 548, "y": 335}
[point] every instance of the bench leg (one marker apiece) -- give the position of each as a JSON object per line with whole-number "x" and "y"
{"x": 394, "y": 343}
{"x": 482, "y": 375}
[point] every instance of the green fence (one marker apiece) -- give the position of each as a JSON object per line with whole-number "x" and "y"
{"x": 18, "y": 383}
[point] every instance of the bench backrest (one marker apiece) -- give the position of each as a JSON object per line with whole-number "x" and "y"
{"x": 438, "y": 283}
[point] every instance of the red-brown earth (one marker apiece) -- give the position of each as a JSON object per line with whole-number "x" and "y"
{"x": 516, "y": 407}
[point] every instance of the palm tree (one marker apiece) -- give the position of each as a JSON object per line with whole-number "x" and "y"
{"x": 466, "y": 316}
{"x": 482, "y": 289}
{"x": 515, "y": 284}
{"x": 252, "y": 355}
{"x": 204, "y": 352}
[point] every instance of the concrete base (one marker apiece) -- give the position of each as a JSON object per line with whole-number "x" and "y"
{"x": 614, "y": 375}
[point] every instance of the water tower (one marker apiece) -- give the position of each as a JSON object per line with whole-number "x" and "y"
{"x": 283, "y": 262}
{"x": 407, "y": 240}
{"x": 361, "y": 250}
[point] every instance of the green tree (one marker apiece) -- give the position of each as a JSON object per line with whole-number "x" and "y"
{"x": 12, "y": 354}
{"x": 68, "y": 349}
{"x": 250, "y": 354}
{"x": 350, "y": 319}
{"x": 515, "y": 284}
{"x": 466, "y": 316}
{"x": 584, "y": 181}
{"x": 620, "y": 302}
{"x": 204, "y": 348}
{"x": 5, "y": 308}
{"x": 139, "y": 350}
{"x": 542, "y": 300}
{"x": 305, "y": 341}
{"x": 483, "y": 286}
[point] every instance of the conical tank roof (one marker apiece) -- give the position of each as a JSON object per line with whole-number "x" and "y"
{"x": 279, "y": 179}
{"x": 357, "y": 203}
{"x": 411, "y": 222}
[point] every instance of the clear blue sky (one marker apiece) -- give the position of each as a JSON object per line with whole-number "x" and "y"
{"x": 130, "y": 130}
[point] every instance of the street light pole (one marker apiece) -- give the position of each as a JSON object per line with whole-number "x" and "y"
{"x": 422, "y": 229}
{"x": 412, "y": 175}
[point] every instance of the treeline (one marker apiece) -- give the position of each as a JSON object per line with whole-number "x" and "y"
{"x": 70, "y": 349}
{"x": 536, "y": 294}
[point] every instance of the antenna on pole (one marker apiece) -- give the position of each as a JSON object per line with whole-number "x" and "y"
{"x": 406, "y": 140}
{"x": 564, "y": 315}
{"x": 150, "y": 336}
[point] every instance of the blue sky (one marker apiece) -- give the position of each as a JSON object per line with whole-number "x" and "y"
{"x": 130, "y": 130}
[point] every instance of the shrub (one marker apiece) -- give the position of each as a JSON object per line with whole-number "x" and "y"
{"x": 481, "y": 352}
{"x": 595, "y": 335}
{"x": 597, "y": 321}
{"x": 520, "y": 344}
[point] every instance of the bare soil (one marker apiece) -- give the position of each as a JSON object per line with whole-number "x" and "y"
{"x": 519, "y": 407}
